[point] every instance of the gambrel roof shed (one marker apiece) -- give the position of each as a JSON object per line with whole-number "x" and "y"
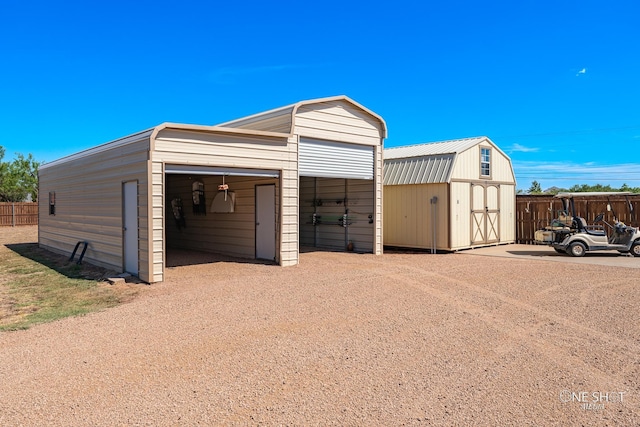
{"x": 448, "y": 195}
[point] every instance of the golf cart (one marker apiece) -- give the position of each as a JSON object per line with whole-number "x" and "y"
{"x": 569, "y": 233}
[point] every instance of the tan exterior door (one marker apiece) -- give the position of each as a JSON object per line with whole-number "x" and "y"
{"x": 266, "y": 222}
{"x": 130, "y": 227}
{"x": 485, "y": 214}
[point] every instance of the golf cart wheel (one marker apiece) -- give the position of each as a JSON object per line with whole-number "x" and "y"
{"x": 560, "y": 251}
{"x": 577, "y": 249}
{"x": 635, "y": 249}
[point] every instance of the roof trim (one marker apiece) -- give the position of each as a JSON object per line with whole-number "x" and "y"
{"x": 120, "y": 142}
{"x": 188, "y": 169}
{"x": 294, "y": 109}
{"x": 476, "y": 140}
{"x": 153, "y": 133}
{"x": 217, "y": 129}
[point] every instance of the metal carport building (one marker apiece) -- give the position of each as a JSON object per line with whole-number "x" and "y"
{"x": 134, "y": 198}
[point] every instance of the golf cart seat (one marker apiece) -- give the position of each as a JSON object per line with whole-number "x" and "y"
{"x": 563, "y": 222}
{"x": 589, "y": 229}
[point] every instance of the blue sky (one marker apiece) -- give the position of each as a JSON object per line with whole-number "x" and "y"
{"x": 555, "y": 84}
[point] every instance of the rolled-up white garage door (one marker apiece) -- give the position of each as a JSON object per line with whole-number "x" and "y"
{"x": 329, "y": 159}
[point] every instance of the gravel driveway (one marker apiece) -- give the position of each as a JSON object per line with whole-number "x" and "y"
{"x": 342, "y": 339}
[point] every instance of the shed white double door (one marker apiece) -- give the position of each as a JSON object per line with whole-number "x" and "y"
{"x": 485, "y": 214}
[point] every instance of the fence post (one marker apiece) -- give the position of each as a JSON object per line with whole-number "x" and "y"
{"x": 13, "y": 214}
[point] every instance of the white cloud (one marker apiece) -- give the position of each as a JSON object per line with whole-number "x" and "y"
{"x": 521, "y": 148}
{"x": 583, "y": 71}
{"x": 566, "y": 174}
{"x": 585, "y": 171}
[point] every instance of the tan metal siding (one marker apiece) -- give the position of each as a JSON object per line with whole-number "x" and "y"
{"x": 199, "y": 148}
{"x": 460, "y": 215}
{"x": 289, "y": 245}
{"x": 89, "y": 204}
{"x": 232, "y": 150}
{"x": 409, "y": 219}
{"x": 337, "y": 121}
{"x": 379, "y": 198}
{"x": 342, "y": 121}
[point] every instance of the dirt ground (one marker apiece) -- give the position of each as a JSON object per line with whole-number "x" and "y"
{"x": 342, "y": 339}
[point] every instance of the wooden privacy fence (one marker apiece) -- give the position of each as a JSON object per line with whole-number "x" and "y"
{"x": 14, "y": 214}
{"x": 536, "y": 211}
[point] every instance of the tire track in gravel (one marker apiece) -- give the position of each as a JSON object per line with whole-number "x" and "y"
{"x": 544, "y": 347}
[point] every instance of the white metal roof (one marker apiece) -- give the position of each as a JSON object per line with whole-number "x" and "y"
{"x": 428, "y": 163}
{"x": 453, "y": 146}
{"x": 418, "y": 170}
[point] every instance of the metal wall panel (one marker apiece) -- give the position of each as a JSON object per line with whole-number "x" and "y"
{"x": 411, "y": 217}
{"x": 88, "y": 189}
{"x": 181, "y": 148}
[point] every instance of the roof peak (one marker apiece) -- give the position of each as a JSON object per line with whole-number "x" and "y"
{"x": 452, "y": 146}
{"x": 471, "y": 138}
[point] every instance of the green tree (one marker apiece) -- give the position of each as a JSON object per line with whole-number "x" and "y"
{"x": 581, "y": 188}
{"x": 626, "y": 187}
{"x": 535, "y": 188}
{"x": 18, "y": 178}
{"x": 597, "y": 187}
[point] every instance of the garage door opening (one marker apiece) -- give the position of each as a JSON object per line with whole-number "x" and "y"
{"x": 212, "y": 215}
{"x": 337, "y": 214}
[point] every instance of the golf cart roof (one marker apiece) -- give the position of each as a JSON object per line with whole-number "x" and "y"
{"x": 592, "y": 194}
